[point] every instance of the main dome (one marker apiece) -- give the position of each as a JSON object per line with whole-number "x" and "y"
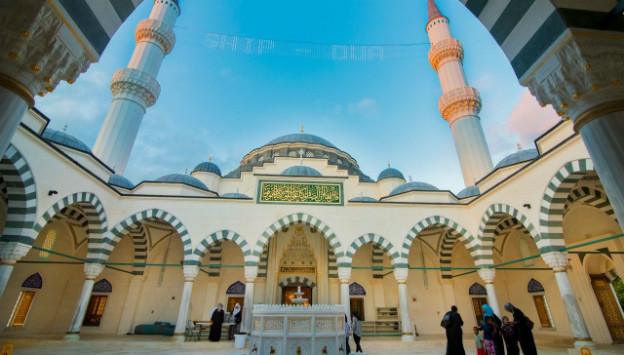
{"x": 301, "y": 138}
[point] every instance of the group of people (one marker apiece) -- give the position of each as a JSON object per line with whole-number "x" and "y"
{"x": 217, "y": 316}
{"x": 354, "y": 329}
{"x": 500, "y": 336}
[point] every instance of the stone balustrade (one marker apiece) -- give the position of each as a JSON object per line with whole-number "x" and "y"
{"x": 460, "y": 102}
{"x": 447, "y": 48}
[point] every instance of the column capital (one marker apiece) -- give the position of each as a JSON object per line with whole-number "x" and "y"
{"x": 444, "y": 50}
{"x": 344, "y": 274}
{"x": 583, "y": 75}
{"x": 557, "y": 260}
{"x": 460, "y": 102}
{"x": 10, "y": 253}
{"x": 92, "y": 270}
{"x": 251, "y": 272}
{"x": 156, "y": 31}
{"x": 401, "y": 274}
{"x": 136, "y": 84}
{"x": 190, "y": 272}
{"x": 488, "y": 275}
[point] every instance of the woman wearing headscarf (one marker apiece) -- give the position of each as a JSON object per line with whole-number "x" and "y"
{"x": 497, "y": 339}
{"x": 452, "y": 322}
{"x": 522, "y": 329}
{"x": 236, "y": 328}
{"x": 507, "y": 330}
{"x": 217, "y": 319}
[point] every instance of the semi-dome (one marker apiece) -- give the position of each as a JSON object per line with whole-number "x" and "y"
{"x": 468, "y": 191}
{"x": 363, "y": 199}
{"x": 518, "y": 157}
{"x": 234, "y": 195}
{"x": 391, "y": 173}
{"x": 120, "y": 181}
{"x": 301, "y": 138}
{"x": 413, "y": 186}
{"x": 184, "y": 179}
{"x": 207, "y": 167}
{"x": 66, "y": 139}
{"x": 300, "y": 170}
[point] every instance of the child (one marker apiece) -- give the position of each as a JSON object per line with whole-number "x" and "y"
{"x": 479, "y": 342}
{"x": 489, "y": 329}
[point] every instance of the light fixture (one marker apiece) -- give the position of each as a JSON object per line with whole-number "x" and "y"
{"x": 527, "y": 205}
{"x": 52, "y": 192}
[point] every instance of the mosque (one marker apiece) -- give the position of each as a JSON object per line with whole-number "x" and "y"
{"x": 85, "y": 251}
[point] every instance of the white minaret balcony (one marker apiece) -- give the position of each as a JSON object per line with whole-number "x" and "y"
{"x": 442, "y": 51}
{"x": 460, "y": 102}
{"x": 135, "y": 85}
{"x": 157, "y": 32}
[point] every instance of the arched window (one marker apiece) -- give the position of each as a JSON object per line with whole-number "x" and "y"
{"x": 25, "y": 300}
{"x": 237, "y": 288}
{"x": 48, "y": 244}
{"x": 537, "y": 291}
{"x": 355, "y": 289}
{"x": 95, "y": 309}
{"x": 478, "y": 298}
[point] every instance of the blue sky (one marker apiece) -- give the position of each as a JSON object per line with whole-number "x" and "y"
{"x": 226, "y": 103}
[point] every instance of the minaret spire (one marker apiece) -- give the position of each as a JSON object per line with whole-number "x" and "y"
{"x": 460, "y": 103}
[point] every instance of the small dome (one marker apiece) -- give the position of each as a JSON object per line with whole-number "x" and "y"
{"x": 207, "y": 167}
{"x": 518, "y": 157}
{"x": 300, "y": 170}
{"x": 391, "y": 173}
{"x": 413, "y": 186}
{"x": 184, "y": 179}
{"x": 468, "y": 191}
{"x": 363, "y": 199}
{"x": 66, "y": 139}
{"x": 120, "y": 181}
{"x": 301, "y": 138}
{"x": 234, "y": 195}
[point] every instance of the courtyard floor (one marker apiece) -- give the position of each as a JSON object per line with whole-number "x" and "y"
{"x": 154, "y": 345}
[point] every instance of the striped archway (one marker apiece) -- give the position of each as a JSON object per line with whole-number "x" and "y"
{"x": 129, "y": 224}
{"x": 200, "y": 250}
{"x": 494, "y": 222}
{"x": 20, "y": 194}
{"x": 554, "y": 200}
{"x": 380, "y": 241}
{"x": 591, "y": 197}
{"x": 291, "y": 219}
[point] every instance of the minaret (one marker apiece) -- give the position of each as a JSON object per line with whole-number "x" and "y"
{"x": 460, "y": 103}
{"x": 135, "y": 88}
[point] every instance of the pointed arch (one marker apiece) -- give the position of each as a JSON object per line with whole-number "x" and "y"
{"x": 33, "y": 281}
{"x": 356, "y": 289}
{"x": 376, "y": 240}
{"x": 140, "y": 242}
{"x": 590, "y": 196}
{"x": 20, "y": 191}
{"x": 90, "y": 204}
{"x": 205, "y": 244}
{"x": 291, "y": 219}
{"x": 553, "y": 202}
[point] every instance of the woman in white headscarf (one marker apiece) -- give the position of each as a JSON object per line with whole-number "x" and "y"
{"x": 236, "y": 328}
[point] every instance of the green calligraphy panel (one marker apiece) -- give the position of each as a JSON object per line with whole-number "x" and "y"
{"x": 330, "y": 193}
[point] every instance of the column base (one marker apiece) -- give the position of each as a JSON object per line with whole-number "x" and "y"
{"x": 407, "y": 337}
{"x": 587, "y": 342}
{"x": 71, "y": 337}
{"x": 177, "y": 338}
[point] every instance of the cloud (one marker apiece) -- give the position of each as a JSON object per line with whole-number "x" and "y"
{"x": 366, "y": 107}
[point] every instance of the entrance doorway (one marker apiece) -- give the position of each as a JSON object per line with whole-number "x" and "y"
{"x": 232, "y": 301}
{"x": 288, "y": 293}
{"x": 477, "y": 308}
{"x": 609, "y": 306}
{"x": 357, "y": 305}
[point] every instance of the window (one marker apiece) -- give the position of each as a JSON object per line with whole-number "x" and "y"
{"x": 20, "y": 312}
{"x": 48, "y": 244}
{"x": 543, "y": 311}
{"x": 95, "y": 309}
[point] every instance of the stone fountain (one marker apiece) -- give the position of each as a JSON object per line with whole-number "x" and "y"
{"x": 298, "y": 300}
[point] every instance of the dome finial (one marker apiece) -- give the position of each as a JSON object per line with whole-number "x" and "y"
{"x": 518, "y": 146}
{"x": 301, "y": 130}
{"x": 389, "y": 163}
{"x": 185, "y": 171}
{"x": 410, "y": 178}
{"x": 64, "y": 129}
{"x": 210, "y": 158}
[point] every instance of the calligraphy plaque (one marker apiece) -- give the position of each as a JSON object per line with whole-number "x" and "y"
{"x": 312, "y": 193}
{"x": 298, "y": 269}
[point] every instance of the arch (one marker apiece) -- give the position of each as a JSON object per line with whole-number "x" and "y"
{"x": 203, "y": 247}
{"x": 553, "y": 201}
{"x": 379, "y": 240}
{"x": 20, "y": 191}
{"x": 293, "y": 218}
{"x": 477, "y": 290}
{"x": 237, "y": 288}
{"x": 490, "y": 227}
{"x": 297, "y": 281}
{"x": 534, "y": 286}
{"x": 90, "y": 204}
{"x": 140, "y": 242}
{"x": 356, "y": 289}
{"x": 33, "y": 281}
{"x": 124, "y": 227}
{"x": 591, "y": 197}
{"x": 458, "y": 231}
{"x": 445, "y": 252}
{"x": 103, "y": 286}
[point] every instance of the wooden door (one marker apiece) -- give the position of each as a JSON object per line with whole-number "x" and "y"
{"x": 609, "y": 307}
{"x": 477, "y": 308}
{"x": 357, "y": 305}
{"x": 288, "y": 293}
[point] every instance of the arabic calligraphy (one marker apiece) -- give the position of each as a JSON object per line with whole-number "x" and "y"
{"x": 324, "y": 193}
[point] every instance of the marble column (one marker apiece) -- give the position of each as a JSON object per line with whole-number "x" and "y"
{"x": 9, "y": 255}
{"x": 559, "y": 262}
{"x": 92, "y": 270}
{"x": 190, "y": 272}
{"x": 248, "y": 303}
{"x": 344, "y": 274}
{"x": 401, "y": 274}
{"x": 488, "y": 275}
{"x": 13, "y": 108}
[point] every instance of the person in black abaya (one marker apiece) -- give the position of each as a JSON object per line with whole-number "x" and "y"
{"x": 453, "y": 328}
{"x": 522, "y": 329}
{"x": 217, "y": 319}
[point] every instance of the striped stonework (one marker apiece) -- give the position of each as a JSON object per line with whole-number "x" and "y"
{"x": 214, "y": 258}
{"x": 20, "y": 192}
{"x": 377, "y": 261}
{"x": 589, "y": 196}
{"x": 498, "y": 218}
{"x": 305, "y": 218}
{"x": 455, "y": 231}
{"x": 333, "y": 268}
{"x": 4, "y": 192}
{"x": 554, "y": 200}
{"x": 450, "y": 238}
{"x": 140, "y": 242}
{"x": 379, "y": 241}
{"x": 264, "y": 258}
{"x": 72, "y": 213}
{"x": 112, "y": 237}
{"x": 217, "y": 237}
{"x": 297, "y": 281}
